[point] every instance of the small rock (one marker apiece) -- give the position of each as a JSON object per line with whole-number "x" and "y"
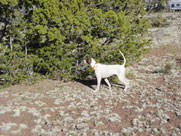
{"x": 81, "y": 126}
{"x": 114, "y": 117}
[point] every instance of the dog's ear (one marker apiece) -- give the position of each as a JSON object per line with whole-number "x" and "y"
{"x": 88, "y": 61}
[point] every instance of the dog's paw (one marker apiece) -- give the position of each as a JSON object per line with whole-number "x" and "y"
{"x": 95, "y": 91}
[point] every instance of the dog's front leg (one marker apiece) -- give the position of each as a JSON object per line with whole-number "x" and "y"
{"x": 107, "y": 82}
{"x": 98, "y": 83}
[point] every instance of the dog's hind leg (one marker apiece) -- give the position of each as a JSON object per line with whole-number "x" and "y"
{"x": 125, "y": 81}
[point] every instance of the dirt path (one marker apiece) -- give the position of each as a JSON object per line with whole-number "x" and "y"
{"x": 152, "y": 105}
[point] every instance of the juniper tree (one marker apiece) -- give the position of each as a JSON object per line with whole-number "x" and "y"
{"x": 54, "y": 36}
{"x": 15, "y": 63}
{"x": 66, "y": 31}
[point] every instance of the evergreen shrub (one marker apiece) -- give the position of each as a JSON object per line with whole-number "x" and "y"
{"x": 52, "y": 37}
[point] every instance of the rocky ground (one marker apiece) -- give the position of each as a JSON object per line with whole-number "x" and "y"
{"x": 170, "y": 33}
{"x": 150, "y": 107}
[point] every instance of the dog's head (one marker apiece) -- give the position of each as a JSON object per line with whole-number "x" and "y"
{"x": 88, "y": 61}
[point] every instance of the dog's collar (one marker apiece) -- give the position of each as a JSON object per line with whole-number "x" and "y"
{"x": 93, "y": 67}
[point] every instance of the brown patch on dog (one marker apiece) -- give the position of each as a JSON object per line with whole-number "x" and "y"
{"x": 88, "y": 61}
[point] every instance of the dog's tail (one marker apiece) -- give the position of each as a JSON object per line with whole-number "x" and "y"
{"x": 123, "y": 57}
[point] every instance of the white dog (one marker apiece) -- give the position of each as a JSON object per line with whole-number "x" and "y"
{"x": 105, "y": 71}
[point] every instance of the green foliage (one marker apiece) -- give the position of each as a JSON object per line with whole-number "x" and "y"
{"x": 158, "y": 21}
{"x": 52, "y": 37}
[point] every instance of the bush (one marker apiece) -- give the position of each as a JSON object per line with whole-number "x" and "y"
{"x": 52, "y": 38}
{"x": 15, "y": 67}
{"x": 158, "y": 21}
